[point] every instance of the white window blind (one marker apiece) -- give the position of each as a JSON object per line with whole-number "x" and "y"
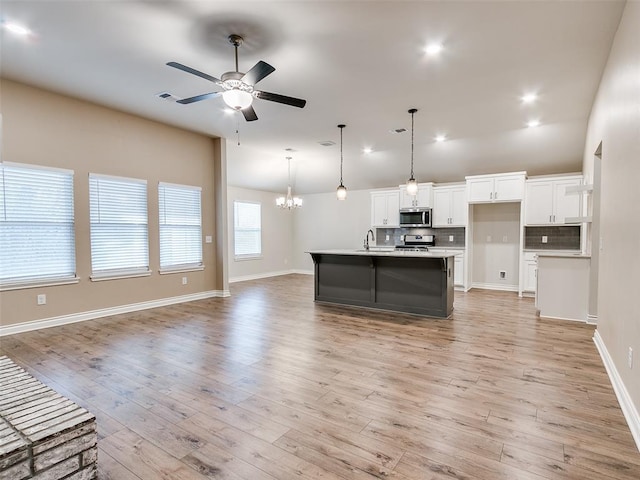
{"x": 247, "y": 227}
{"x": 37, "y": 240}
{"x": 180, "y": 208}
{"x": 119, "y": 233}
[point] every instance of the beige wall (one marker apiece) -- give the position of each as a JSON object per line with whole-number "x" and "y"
{"x": 615, "y": 121}
{"x": 44, "y": 128}
{"x": 277, "y": 236}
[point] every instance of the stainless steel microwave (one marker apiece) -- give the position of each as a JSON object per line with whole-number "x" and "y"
{"x": 415, "y": 217}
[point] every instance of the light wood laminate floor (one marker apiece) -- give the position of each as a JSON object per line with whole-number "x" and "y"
{"x": 268, "y": 385}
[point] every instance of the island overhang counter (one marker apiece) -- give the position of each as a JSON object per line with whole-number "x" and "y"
{"x": 401, "y": 281}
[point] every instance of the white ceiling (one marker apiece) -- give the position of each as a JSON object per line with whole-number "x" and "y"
{"x": 358, "y": 63}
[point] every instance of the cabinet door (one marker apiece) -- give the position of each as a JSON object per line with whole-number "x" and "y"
{"x": 530, "y": 275}
{"x": 458, "y": 207}
{"x": 565, "y": 205}
{"x": 423, "y": 198}
{"x": 480, "y": 190}
{"x": 509, "y": 188}
{"x": 406, "y": 200}
{"x": 458, "y": 270}
{"x": 378, "y": 209}
{"x": 442, "y": 207}
{"x": 539, "y": 203}
{"x": 393, "y": 209}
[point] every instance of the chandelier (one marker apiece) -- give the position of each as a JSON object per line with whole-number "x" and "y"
{"x": 289, "y": 201}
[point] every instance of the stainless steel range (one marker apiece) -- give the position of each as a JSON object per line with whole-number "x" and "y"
{"x": 416, "y": 243}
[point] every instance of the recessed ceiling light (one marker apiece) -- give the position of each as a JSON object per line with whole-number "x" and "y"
{"x": 367, "y": 150}
{"x": 441, "y": 138}
{"x": 433, "y": 49}
{"x": 533, "y": 123}
{"x": 529, "y": 98}
{"x": 17, "y": 29}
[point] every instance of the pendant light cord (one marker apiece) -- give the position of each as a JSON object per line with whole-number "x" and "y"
{"x": 341, "y": 128}
{"x": 412, "y": 111}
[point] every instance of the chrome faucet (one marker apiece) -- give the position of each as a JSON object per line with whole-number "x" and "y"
{"x": 366, "y": 239}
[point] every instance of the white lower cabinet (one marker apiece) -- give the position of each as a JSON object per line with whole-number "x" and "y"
{"x": 458, "y": 271}
{"x": 530, "y": 269}
{"x": 458, "y": 265}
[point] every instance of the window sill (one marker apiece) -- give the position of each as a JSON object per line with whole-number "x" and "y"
{"x": 39, "y": 283}
{"x": 168, "y": 271}
{"x": 247, "y": 257}
{"x": 118, "y": 276}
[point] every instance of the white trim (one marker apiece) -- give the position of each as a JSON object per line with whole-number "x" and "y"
{"x": 100, "y": 176}
{"x": 180, "y": 185}
{"x": 592, "y": 319}
{"x": 44, "y": 282}
{"x": 38, "y": 167}
{"x": 183, "y": 269}
{"x": 248, "y": 256}
{"x": 624, "y": 399}
{"x": 303, "y": 272}
{"x": 105, "y": 312}
{"x": 563, "y": 318}
{"x": 258, "y": 276}
{"x": 495, "y": 286}
{"x": 99, "y": 277}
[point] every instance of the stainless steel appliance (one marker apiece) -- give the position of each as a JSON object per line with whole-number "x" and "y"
{"x": 418, "y": 243}
{"x": 415, "y": 217}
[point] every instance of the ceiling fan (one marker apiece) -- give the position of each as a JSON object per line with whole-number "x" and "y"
{"x": 239, "y": 88}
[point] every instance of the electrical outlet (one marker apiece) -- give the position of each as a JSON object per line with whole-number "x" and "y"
{"x": 387, "y": 238}
{"x": 630, "y": 359}
{"x": 451, "y": 238}
{"x": 505, "y": 239}
{"x": 544, "y": 239}
{"x": 208, "y": 239}
{"x": 184, "y": 280}
{"x": 42, "y": 299}
{"x": 503, "y": 274}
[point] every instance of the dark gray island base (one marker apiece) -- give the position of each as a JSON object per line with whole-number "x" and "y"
{"x": 411, "y": 282}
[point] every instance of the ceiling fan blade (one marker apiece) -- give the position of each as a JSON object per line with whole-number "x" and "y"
{"x": 274, "y": 97}
{"x": 193, "y": 71}
{"x": 198, "y": 98}
{"x": 249, "y": 114}
{"x": 257, "y": 73}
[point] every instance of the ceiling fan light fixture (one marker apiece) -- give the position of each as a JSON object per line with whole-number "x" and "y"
{"x": 237, "y": 99}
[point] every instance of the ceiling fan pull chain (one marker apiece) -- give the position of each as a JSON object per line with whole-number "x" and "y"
{"x": 238, "y": 129}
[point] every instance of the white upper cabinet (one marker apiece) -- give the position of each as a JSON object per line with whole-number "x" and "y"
{"x": 422, "y": 199}
{"x": 505, "y": 187}
{"x": 450, "y": 206}
{"x": 385, "y": 208}
{"x": 546, "y": 202}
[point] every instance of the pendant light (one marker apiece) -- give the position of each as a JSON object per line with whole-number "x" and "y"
{"x": 412, "y": 185}
{"x": 341, "y": 191}
{"x": 289, "y": 201}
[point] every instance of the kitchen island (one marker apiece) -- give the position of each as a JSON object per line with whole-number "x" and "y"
{"x": 401, "y": 281}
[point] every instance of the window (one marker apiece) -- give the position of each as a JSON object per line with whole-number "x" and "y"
{"x": 247, "y": 230}
{"x": 119, "y": 234}
{"x": 37, "y": 239}
{"x": 180, "y": 226}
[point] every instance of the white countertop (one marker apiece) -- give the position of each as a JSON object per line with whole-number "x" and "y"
{"x": 563, "y": 254}
{"x": 388, "y": 253}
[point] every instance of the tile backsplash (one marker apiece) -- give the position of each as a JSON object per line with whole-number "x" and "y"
{"x": 566, "y": 237}
{"x": 442, "y": 235}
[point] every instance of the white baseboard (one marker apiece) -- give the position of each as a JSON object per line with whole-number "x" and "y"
{"x": 592, "y": 319}
{"x": 105, "y": 312}
{"x": 258, "y": 276}
{"x": 495, "y": 286}
{"x": 624, "y": 399}
{"x": 547, "y": 317}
